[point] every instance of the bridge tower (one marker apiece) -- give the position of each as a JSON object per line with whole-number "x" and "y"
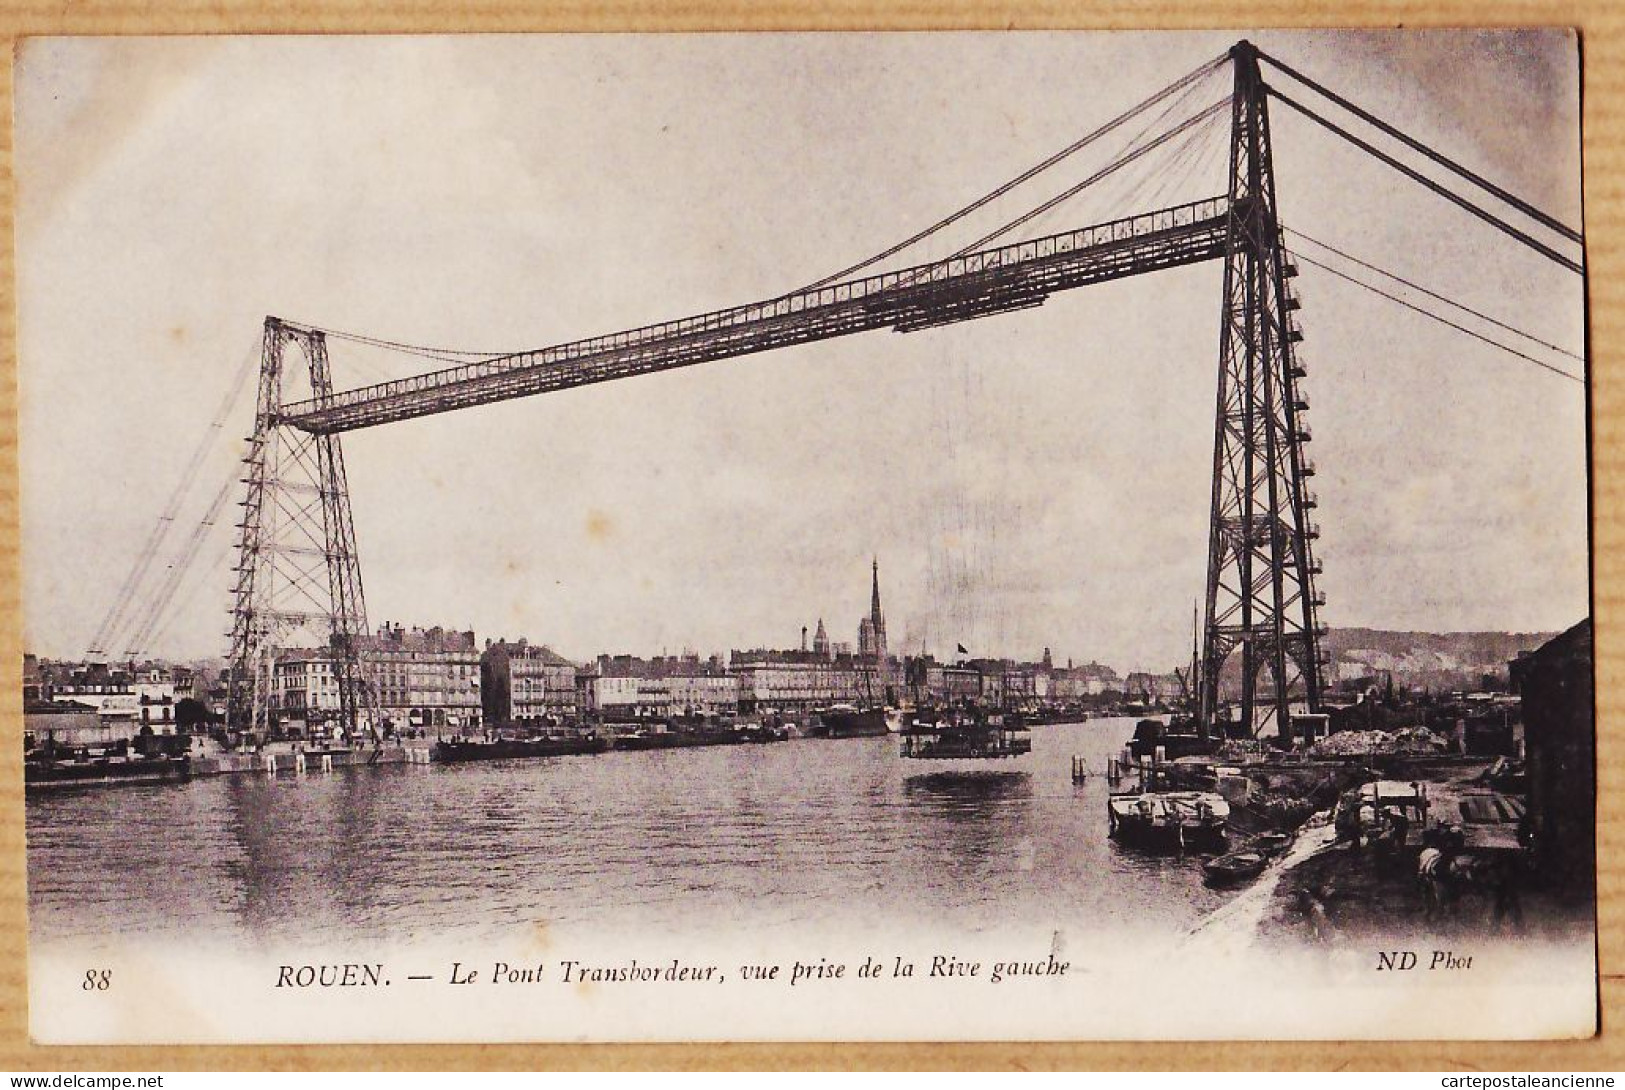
{"x": 1261, "y": 597}
{"x": 297, "y": 574}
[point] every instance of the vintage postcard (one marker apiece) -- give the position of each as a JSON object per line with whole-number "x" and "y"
{"x": 493, "y": 570}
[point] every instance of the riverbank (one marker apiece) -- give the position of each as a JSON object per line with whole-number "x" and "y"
{"x": 1330, "y": 893}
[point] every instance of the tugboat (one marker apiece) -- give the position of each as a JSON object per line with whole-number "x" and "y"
{"x": 850, "y": 721}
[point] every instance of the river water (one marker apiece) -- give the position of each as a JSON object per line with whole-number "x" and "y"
{"x": 785, "y": 836}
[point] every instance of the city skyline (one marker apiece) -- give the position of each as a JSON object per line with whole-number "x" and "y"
{"x": 1006, "y": 488}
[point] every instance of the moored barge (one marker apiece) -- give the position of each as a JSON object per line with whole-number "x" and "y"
{"x": 457, "y": 751}
{"x": 1168, "y": 819}
{"x": 40, "y": 775}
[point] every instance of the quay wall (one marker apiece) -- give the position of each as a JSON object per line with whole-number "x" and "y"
{"x": 232, "y": 764}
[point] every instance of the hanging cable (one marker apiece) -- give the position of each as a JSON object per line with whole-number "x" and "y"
{"x": 116, "y": 617}
{"x": 1104, "y": 172}
{"x": 1483, "y": 183}
{"x": 1422, "y": 179}
{"x": 177, "y": 571}
{"x": 1186, "y": 82}
{"x": 1179, "y": 84}
{"x": 1435, "y": 295}
{"x": 217, "y": 565}
{"x": 1182, "y": 165}
{"x": 1123, "y": 184}
{"x": 1129, "y": 187}
{"x": 444, "y": 355}
{"x": 1441, "y": 319}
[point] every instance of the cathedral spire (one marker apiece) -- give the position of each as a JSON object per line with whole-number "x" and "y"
{"x": 874, "y": 600}
{"x": 872, "y": 630}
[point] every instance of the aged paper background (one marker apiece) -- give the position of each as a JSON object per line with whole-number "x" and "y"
{"x": 1603, "y": 43}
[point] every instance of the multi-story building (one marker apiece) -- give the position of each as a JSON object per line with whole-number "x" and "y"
{"x": 1077, "y": 682}
{"x": 428, "y": 680}
{"x": 625, "y": 687}
{"x": 156, "y": 696}
{"x": 1019, "y": 684}
{"x": 304, "y": 691}
{"x": 801, "y": 680}
{"x": 109, "y": 690}
{"x": 989, "y": 682}
{"x": 128, "y": 699}
{"x": 524, "y": 682}
{"x": 1148, "y": 686}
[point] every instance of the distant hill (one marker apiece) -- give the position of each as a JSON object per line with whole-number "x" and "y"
{"x": 1430, "y": 660}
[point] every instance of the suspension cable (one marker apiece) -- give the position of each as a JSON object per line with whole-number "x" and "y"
{"x": 1483, "y": 183}
{"x": 1185, "y": 81}
{"x": 149, "y": 618}
{"x": 1422, "y": 179}
{"x": 1103, "y": 172}
{"x": 117, "y": 616}
{"x": 1435, "y": 295}
{"x": 460, "y": 356}
{"x": 1173, "y": 108}
{"x": 1441, "y": 319}
{"x": 444, "y": 355}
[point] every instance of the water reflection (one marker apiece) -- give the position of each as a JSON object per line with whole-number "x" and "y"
{"x": 968, "y": 789}
{"x": 833, "y": 832}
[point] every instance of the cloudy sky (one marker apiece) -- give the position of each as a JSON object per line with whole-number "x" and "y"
{"x": 1027, "y": 480}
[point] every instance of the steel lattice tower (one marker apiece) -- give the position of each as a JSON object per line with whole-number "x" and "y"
{"x": 1261, "y": 598}
{"x": 297, "y": 567}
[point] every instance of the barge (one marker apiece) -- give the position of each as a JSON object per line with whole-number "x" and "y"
{"x": 458, "y": 751}
{"x": 40, "y": 775}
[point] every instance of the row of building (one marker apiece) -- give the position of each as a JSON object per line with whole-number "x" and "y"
{"x": 97, "y": 703}
{"x": 438, "y": 681}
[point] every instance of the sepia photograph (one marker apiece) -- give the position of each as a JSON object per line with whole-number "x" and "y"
{"x": 492, "y": 571}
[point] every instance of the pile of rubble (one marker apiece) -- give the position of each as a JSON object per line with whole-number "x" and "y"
{"x": 1359, "y": 743}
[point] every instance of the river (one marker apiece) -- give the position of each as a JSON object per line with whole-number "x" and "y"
{"x": 809, "y": 832}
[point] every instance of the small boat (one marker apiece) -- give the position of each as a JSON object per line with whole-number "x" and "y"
{"x": 1235, "y": 867}
{"x": 1271, "y": 844}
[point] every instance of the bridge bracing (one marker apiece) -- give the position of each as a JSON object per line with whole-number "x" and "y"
{"x": 1261, "y": 598}
{"x": 297, "y": 555}
{"x": 298, "y": 572}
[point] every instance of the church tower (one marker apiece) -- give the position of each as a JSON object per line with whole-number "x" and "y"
{"x": 877, "y": 619}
